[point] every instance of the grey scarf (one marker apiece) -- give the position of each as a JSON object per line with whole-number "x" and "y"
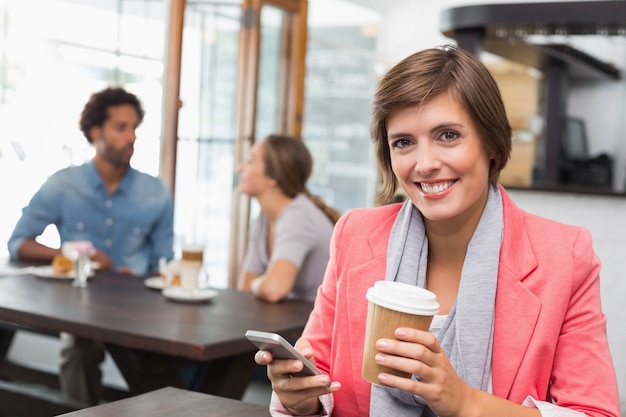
{"x": 467, "y": 334}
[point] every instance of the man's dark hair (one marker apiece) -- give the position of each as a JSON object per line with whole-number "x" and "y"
{"x": 95, "y": 112}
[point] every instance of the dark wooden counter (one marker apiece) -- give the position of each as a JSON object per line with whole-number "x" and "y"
{"x": 168, "y": 402}
{"x": 149, "y": 336}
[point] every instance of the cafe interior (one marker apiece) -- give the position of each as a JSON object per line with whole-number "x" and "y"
{"x": 214, "y": 76}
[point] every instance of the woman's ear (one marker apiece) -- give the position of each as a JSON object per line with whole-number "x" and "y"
{"x": 273, "y": 182}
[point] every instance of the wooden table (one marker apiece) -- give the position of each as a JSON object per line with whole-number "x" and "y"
{"x": 149, "y": 336}
{"x": 168, "y": 402}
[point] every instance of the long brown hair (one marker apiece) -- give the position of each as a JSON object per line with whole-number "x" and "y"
{"x": 427, "y": 74}
{"x": 288, "y": 161}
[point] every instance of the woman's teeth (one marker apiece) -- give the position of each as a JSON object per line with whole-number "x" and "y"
{"x": 436, "y": 188}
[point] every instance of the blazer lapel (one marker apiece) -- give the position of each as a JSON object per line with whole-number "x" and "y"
{"x": 517, "y": 308}
{"x": 378, "y": 240}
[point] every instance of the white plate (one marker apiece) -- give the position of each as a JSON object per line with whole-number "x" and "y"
{"x": 179, "y": 294}
{"x": 46, "y": 271}
{"x": 156, "y": 283}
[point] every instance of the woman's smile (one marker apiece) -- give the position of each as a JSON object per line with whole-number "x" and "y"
{"x": 430, "y": 188}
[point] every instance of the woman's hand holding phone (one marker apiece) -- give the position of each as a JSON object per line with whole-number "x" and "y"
{"x": 299, "y": 394}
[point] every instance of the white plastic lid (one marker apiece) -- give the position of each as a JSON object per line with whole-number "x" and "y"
{"x": 403, "y": 297}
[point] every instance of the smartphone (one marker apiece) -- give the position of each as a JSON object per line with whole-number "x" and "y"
{"x": 281, "y": 349}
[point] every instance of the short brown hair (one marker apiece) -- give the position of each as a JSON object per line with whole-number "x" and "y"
{"x": 427, "y": 74}
{"x": 96, "y": 111}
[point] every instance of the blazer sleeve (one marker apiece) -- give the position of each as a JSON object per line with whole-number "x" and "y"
{"x": 583, "y": 375}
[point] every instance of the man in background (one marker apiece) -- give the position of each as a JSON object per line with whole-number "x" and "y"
{"x": 126, "y": 214}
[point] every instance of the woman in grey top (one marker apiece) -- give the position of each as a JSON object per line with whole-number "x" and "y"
{"x": 288, "y": 247}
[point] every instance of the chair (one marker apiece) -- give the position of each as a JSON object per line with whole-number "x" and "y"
{"x": 576, "y": 165}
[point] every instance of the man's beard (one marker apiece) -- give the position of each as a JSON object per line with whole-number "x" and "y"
{"x": 116, "y": 158}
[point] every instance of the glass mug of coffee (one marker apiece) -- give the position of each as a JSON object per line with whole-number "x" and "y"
{"x": 190, "y": 266}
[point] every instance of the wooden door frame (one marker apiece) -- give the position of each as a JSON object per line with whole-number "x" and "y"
{"x": 171, "y": 92}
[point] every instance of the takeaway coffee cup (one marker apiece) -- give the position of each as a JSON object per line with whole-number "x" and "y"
{"x": 391, "y": 305}
{"x": 190, "y": 266}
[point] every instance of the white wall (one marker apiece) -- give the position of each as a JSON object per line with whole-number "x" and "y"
{"x": 602, "y": 215}
{"x": 414, "y": 25}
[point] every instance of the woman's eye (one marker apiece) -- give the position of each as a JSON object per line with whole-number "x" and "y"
{"x": 401, "y": 143}
{"x": 449, "y": 136}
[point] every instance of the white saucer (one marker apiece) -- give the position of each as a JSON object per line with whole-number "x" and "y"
{"x": 179, "y": 294}
{"x": 156, "y": 283}
{"x": 46, "y": 271}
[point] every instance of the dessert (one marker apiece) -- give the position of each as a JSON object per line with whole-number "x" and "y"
{"x": 175, "y": 280}
{"x": 62, "y": 264}
{"x": 169, "y": 272}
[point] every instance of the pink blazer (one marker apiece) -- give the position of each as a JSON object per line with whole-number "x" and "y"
{"x": 550, "y": 333}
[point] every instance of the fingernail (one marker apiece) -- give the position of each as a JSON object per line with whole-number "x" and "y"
{"x": 264, "y": 355}
{"x": 381, "y": 343}
{"x": 379, "y": 358}
{"x": 323, "y": 380}
{"x": 400, "y": 332}
{"x": 382, "y": 377}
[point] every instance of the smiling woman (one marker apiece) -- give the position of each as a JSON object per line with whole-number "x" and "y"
{"x": 436, "y": 152}
{"x": 507, "y": 282}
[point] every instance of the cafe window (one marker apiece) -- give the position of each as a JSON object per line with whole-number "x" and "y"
{"x": 247, "y": 75}
{"x": 340, "y": 82}
{"x": 48, "y": 69}
{"x": 205, "y": 167}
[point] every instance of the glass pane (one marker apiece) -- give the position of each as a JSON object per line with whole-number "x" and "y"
{"x": 339, "y": 85}
{"x": 48, "y": 70}
{"x": 206, "y": 130}
{"x": 269, "y": 72}
{"x": 151, "y": 17}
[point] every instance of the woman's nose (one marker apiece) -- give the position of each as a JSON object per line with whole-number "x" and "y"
{"x": 427, "y": 159}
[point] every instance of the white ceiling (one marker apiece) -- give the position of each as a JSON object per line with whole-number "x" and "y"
{"x": 380, "y": 5}
{"x": 377, "y": 5}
